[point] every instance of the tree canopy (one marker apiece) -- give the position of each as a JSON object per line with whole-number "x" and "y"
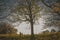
{"x": 53, "y": 4}
{"x": 53, "y": 19}
{"x": 27, "y": 11}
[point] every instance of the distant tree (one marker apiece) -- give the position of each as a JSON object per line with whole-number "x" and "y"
{"x": 58, "y": 30}
{"x": 53, "y": 30}
{"x": 21, "y": 33}
{"x": 46, "y": 31}
{"x": 6, "y": 28}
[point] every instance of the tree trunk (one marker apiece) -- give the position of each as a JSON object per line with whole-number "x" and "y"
{"x": 32, "y": 26}
{"x": 32, "y": 31}
{"x": 31, "y": 22}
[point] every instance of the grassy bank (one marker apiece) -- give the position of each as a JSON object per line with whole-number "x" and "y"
{"x": 45, "y": 36}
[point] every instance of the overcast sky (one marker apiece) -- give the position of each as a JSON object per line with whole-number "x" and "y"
{"x": 23, "y": 27}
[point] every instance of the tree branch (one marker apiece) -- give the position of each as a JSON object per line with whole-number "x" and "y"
{"x": 45, "y": 3}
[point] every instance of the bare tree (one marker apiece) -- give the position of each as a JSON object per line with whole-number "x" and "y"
{"x": 27, "y": 11}
{"x": 53, "y": 30}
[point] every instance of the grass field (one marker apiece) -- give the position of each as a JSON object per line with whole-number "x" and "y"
{"x": 44, "y": 36}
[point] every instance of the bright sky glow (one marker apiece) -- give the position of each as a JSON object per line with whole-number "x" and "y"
{"x": 25, "y": 28}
